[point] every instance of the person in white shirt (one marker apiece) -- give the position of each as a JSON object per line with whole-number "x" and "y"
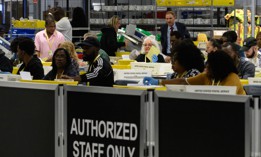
{"x": 63, "y": 24}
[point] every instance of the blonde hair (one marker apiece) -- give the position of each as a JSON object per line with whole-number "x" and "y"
{"x": 113, "y": 21}
{"x": 69, "y": 46}
{"x": 89, "y": 34}
{"x": 153, "y": 40}
{"x": 171, "y": 12}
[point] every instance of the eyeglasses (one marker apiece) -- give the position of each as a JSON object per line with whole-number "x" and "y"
{"x": 147, "y": 44}
{"x": 60, "y": 56}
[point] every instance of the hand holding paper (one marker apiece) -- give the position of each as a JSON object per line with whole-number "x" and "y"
{"x": 153, "y": 52}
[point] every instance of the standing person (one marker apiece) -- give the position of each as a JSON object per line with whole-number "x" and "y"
{"x": 100, "y": 72}
{"x": 63, "y": 24}
{"x": 108, "y": 40}
{"x": 61, "y": 65}
{"x": 251, "y": 51}
{"x": 166, "y": 30}
{"x": 25, "y": 52}
{"x": 220, "y": 71}
{"x": 79, "y": 20}
{"x": 47, "y": 40}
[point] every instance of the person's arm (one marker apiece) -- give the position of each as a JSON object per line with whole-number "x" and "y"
{"x": 248, "y": 71}
{"x": 37, "y": 45}
{"x": 200, "y": 79}
{"x": 186, "y": 32}
{"x": 174, "y": 81}
{"x": 37, "y": 71}
{"x": 182, "y": 28}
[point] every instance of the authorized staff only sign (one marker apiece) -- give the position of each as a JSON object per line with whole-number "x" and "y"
{"x": 104, "y": 130}
{"x": 109, "y": 127}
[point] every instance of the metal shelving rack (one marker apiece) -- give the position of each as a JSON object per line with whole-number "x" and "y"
{"x": 129, "y": 14}
{"x": 210, "y": 24}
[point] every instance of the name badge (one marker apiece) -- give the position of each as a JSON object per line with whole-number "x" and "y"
{"x": 50, "y": 52}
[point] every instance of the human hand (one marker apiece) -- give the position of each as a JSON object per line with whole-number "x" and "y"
{"x": 126, "y": 42}
{"x": 167, "y": 59}
{"x": 66, "y": 77}
{"x": 150, "y": 81}
{"x": 49, "y": 59}
{"x": 154, "y": 58}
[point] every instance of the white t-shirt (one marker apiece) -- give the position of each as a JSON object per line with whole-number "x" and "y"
{"x": 64, "y": 26}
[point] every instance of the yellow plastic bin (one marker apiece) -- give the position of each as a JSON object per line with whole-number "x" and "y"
{"x": 124, "y": 62}
{"x": 73, "y": 83}
{"x": 117, "y": 66}
{"x": 119, "y": 54}
{"x": 46, "y": 63}
{"x": 244, "y": 81}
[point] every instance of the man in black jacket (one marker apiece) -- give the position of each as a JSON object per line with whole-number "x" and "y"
{"x": 166, "y": 30}
{"x": 31, "y": 63}
{"x": 100, "y": 72}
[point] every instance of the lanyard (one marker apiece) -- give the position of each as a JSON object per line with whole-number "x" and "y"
{"x": 56, "y": 77}
{"x": 145, "y": 60}
{"x": 50, "y": 43}
{"x": 95, "y": 59}
{"x": 180, "y": 76}
{"x": 213, "y": 82}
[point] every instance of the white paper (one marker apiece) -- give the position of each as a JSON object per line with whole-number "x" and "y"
{"x": 25, "y": 75}
{"x": 125, "y": 57}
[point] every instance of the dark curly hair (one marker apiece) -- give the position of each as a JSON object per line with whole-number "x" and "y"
{"x": 68, "y": 59}
{"x": 14, "y": 43}
{"x": 216, "y": 43}
{"x": 79, "y": 18}
{"x": 220, "y": 65}
{"x": 231, "y": 36}
{"x": 27, "y": 45}
{"x": 188, "y": 56}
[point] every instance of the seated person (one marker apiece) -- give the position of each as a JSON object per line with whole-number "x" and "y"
{"x": 148, "y": 42}
{"x": 245, "y": 68}
{"x": 61, "y": 65}
{"x": 175, "y": 39}
{"x": 5, "y": 63}
{"x": 187, "y": 61}
{"x": 251, "y": 51}
{"x": 69, "y": 46}
{"x": 103, "y": 54}
{"x": 213, "y": 45}
{"x": 100, "y": 72}
{"x": 13, "y": 47}
{"x": 220, "y": 71}
{"x": 31, "y": 63}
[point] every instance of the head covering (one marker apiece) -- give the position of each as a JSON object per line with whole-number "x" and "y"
{"x": 90, "y": 41}
{"x": 248, "y": 43}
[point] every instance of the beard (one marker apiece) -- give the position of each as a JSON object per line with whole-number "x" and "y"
{"x": 89, "y": 57}
{"x": 252, "y": 55}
